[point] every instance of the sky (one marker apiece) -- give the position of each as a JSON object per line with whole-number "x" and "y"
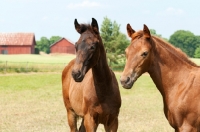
{"x": 46, "y": 18}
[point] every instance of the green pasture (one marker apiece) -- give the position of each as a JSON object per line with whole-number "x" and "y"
{"x": 32, "y": 102}
{"x": 46, "y": 58}
{"x": 33, "y": 63}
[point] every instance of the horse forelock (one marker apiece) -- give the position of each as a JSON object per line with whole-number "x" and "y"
{"x": 176, "y": 51}
{"x": 137, "y": 35}
{"x": 85, "y": 27}
{"x": 88, "y": 27}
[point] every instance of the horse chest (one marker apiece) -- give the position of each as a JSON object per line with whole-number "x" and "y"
{"x": 76, "y": 100}
{"x": 100, "y": 108}
{"x": 83, "y": 103}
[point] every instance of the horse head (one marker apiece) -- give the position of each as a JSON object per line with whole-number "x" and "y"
{"x": 87, "y": 51}
{"x": 138, "y": 56}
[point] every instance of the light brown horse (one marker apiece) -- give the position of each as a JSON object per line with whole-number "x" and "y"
{"x": 90, "y": 88}
{"x": 175, "y": 76}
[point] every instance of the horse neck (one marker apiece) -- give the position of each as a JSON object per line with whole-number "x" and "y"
{"x": 167, "y": 70}
{"x": 101, "y": 71}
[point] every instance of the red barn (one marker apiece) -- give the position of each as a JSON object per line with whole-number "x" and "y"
{"x": 17, "y": 43}
{"x": 63, "y": 46}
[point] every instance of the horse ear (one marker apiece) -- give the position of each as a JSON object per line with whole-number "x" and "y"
{"x": 146, "y": 31}
{"x": 77, "y": 26}
{"x": 95, "y": 26}
{"x": 130, "y": 31}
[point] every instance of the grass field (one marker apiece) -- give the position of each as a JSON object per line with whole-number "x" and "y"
{"x": 33, "y": 103}
{"x": 55, "y": 58}
{"x": 33, "y": 63}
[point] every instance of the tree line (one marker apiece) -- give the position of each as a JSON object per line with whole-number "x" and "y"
{"x": 44, "y": 44}
{"x": 115, "y": 42}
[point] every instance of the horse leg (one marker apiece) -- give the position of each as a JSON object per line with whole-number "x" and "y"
{"x": 90, "y": 123}
{"x": 112, "y": 126}
{"x": 72, "y": 120}
{"x": 82, "y": 127}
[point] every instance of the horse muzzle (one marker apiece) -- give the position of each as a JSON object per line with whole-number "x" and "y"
{"x": 78, "y": 76}
{"x": 126, "y": 82}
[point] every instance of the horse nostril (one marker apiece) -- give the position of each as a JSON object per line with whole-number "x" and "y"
{"x": 76, "y": 74}
{"x": 127, "y": 80}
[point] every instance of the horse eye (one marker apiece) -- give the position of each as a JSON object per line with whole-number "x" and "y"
{"x": 92, "y": 47}
{"x": 144, "y": 54}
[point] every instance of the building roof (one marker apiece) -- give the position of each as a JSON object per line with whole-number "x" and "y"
{"x": 17, "y": 38}
{"x": 60, "y": 40}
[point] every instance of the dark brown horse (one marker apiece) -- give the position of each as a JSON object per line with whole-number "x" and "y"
{"x": 175, "y": 76}
{"x": 90, "y": 88}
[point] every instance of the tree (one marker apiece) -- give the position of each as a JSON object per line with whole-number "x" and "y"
{"x": 54, "y": 39}
{"x": 197, "y": 51}
{"x": 114, "y": 41}
{"x": 44, "y": 43}
{"x": 185, "y": 40}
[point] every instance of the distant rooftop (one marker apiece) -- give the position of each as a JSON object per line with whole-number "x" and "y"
{"x": 16, "y": 38}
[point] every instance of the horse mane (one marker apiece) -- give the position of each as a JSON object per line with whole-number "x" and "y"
{"x": 176, "y": 51}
